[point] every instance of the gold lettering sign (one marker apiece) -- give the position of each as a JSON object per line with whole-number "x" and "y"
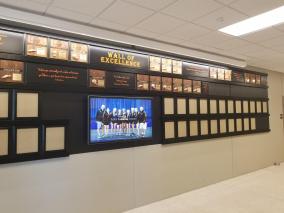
{"x": 119, "y": 58}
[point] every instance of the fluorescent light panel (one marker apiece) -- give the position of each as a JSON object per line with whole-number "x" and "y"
{"x": 256, "y": 23}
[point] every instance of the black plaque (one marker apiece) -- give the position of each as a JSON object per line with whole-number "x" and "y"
{"x": 199, "y": 70}
{"x": 118, "y": 60}
{"x": 56, "y": 75}
{"x": 11, "y": 42}
{"x": 238, "y": 76}
{"x": 121, "y": 80}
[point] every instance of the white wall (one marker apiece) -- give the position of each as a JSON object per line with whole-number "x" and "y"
{"x": 117, "y": 180}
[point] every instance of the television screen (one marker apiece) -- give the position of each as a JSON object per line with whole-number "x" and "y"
{"x": 119, "y": 118}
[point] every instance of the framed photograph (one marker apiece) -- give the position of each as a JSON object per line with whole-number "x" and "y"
{"x": 257, "y": 79}
{"x": 213, "y": 72}
{"x": 247, "y": 78}
{"x": 221, "y": 74}
{"x": 177, "y": 67}
{"x": 252, "y": 78}
{"x": 97, "y": 78}
{"x": 79, "y": 52}
{"x": 36, "y": 46}
{"x": 11, "y": 71}
{"x": 228, "y": 75}
{"x": 117, "y": 118}
{"x": 155, "y": 63}
{"x": 59, "y": 49}
{"x": 167, "y": 65}
{"x": 155, "y": 83}
{"x": 196, "y": 86}
{"x": 177, "y": 85}
{"x": 142, "y": 82}
{"x": 187, "y": 86}
{"x": 167, "y": 84}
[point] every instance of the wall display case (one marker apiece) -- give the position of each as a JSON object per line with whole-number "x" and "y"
{"x": 167, "y": 84}
{"x": 11, "y": 42}
{"x": 213, "y": 72}
{"x": 97, "y": 78}
{"x": 177, "y": 67}
{"x": 59, "y": 49}
{"x": 221, "y": 74}
{"x": 142, "y": 82}
{"x": 155, "y": 63}
{"x": 257, "y": 79}
{"x": 79, "y": 52}
{"x": 247, "y": 78}
{"x": 36, "y": 46}
{"x": 196, "y": 85}
{"x": 11, "y": 71}
{"x": 155, "y": 83}
{"x": 167, "y": 65}
{"x": 182, "y": 99}
{"x": 228, "y": 75}
{"x": 177, "y": 85}
{"x": 187, "y": 86}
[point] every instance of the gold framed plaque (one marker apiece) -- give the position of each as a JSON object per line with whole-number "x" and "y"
{"x": 79, "y": 52}
{"x": 59, "y": 49}
{"x": 167, "y": 84}
{"x": 177, "y": 85}
{"x": 142, "y": 82}
{"x": 36, "y": 46}
{"x": 155, "y": 63}
{"x": 97, "y": 78}
{"x": 155, "y": 83}
{"x": 167, "y": 65}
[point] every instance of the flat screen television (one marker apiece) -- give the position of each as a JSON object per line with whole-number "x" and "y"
{"x": 113, "y": 119}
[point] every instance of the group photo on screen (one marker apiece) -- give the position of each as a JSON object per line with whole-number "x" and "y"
{"x": 114, "y": 118}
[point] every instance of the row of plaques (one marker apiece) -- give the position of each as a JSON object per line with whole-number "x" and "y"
{"x": 115, "y": 59}
{"x": 194, "y": 128}
{"x": 28, "y": 140}
{"x": 212, "y": 106}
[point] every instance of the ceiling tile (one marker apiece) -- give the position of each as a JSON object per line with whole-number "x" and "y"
{"x": 26, "y": 4}
{"x": 67, "y": 14}
{"x": 188, "y": 31}
{"x": 88, "y": 7}
{"x": 142, "y": 32}
{"x": 255, "y": 7}
{"x": 191, "y": 9}
{"x": 226, "y": 1}
{"x": 231, "y": 44}
{"x": 262, "y": 35}
{"x": 125, "y": 13}
{"x": 170, "y": 39}
{"x": 154, "y": 5}
{"x": 220, "y": 18}
{"x": 278, "y": 41}
{"x": 160, "y": 23}
{"x": 108, "y": 25}
{"x": 213, "y": 38}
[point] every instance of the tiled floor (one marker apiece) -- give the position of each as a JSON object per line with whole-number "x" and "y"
{"x": 258, "y": 192}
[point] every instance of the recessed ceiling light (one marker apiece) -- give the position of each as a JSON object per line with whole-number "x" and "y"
{"x": 259, "y": 22}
